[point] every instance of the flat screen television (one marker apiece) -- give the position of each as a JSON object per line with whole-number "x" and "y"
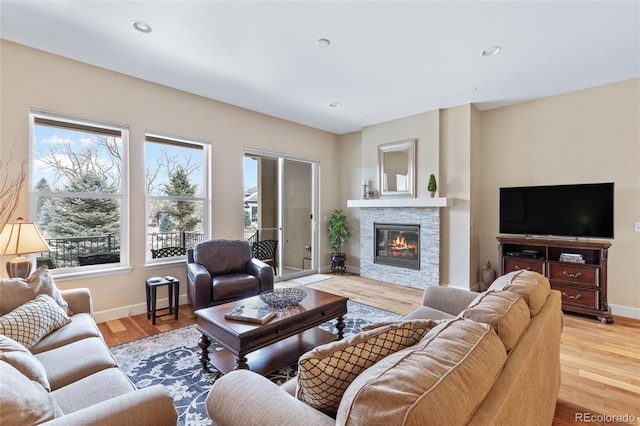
{"x": 581, "y": 210}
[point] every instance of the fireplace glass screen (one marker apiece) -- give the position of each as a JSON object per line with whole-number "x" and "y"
{"x": 397, "y": 245}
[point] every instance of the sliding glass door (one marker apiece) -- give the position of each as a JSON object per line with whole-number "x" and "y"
{"x": 280, "y": 206}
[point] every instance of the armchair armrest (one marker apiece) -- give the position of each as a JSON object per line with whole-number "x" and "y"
{"x": 447, "y": 299}
{"x": 151, "y": 406}
{"x": 199, "y": 286}
{"x": 79, "y": 300}
{"x": 263, "y": 272}
{"x": 270, "y": 405}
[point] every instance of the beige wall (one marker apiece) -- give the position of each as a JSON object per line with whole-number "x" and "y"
{"x": 350, "y": 188}
{"x": 35, "y": 79}
{"x": 586, "y": 136}
{"x": 455, "y": 160}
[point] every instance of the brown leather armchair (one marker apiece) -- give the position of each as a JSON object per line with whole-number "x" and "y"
{"x": 220, "y": 271}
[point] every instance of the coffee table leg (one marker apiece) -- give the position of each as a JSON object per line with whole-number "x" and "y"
{"x": 204, "y": 357}
{"x": 340, "y": 327}
{"x": 241, "y": 363}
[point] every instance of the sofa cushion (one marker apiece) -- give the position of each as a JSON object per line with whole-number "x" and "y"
{"x": 80, "y": 327}
{"x": 24, "y": 401}
{"x": 22, "y": 360}
{"x": 15, "y": 292}
{"x": 424, "y": 384}
{"x": 505, "y": 311}
{"x": 326, "y": 371}
{"x": 89, "y": 356}
{"x": 29, "y": 323}
{"x": 93, "y": 389}
{"x": 531, "y": 285}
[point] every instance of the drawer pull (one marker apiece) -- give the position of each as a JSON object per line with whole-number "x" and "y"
{"x": 576, "y": 297}
{"x": 570, "y": 275}
{"x": 518, "y": 268}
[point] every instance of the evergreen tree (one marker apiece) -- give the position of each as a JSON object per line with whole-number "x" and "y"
{"x": 86, "y": 216}
{"x": 182, "y": 213}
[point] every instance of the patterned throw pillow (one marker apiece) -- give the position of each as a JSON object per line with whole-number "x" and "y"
{"x": 325, "y": 372}
{"x": 29, "y": 323}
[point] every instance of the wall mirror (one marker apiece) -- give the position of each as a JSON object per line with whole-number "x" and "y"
{"x": 396, "y": 168}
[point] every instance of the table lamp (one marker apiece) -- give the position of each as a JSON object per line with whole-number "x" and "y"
{"x": 21, "y": 237}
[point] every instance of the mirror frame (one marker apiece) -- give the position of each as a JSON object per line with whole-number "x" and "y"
{"x": 409, "y": 146}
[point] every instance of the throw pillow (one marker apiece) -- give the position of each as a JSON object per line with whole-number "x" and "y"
{"x": 532, "y": 286}
{"x": 24, "y": 361}
{"x": 29, "y": 323}
{"x": 505, "y": 311}
{"x": 325, "y": 372}
{"x": 421, "y": 384}
{"x": 23, "y": 401}
{"x": 16, "y": 291}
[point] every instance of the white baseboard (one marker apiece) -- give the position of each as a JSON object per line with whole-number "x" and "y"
{"x": 625, "y": 311}
{"x": 127, "y": 311}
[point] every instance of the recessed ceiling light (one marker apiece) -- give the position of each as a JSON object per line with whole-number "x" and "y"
{"x": 323, "y": 42}
{"x": 490, "y": 51}
{"x": 335, "y": 104}
{"x": 141, "y": 26}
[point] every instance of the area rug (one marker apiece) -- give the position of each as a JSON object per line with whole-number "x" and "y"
{"x": 310, "y": 279}
{"x": 173, "y": 360}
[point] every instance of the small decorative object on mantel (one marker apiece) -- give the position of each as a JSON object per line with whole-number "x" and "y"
{"x": 367, "y": 190}
{"x": 488, "y": 275}
{"x": 432, "y": 185}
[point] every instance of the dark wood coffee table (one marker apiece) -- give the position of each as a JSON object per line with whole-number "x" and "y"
{"x": 264, "y": 348}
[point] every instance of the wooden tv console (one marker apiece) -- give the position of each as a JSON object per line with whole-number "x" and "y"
{"x": 583, "y": 285}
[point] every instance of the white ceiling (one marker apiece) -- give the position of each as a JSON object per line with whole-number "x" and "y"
{"x": 387, "y": 59}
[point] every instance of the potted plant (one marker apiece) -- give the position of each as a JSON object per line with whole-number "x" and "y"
{"x": 432, "y": 185}
{"x": 339, "y": 233}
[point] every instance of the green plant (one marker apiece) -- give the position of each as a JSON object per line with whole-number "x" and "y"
{"x": 338, "y": 230}
{"x": 432, "y": 185}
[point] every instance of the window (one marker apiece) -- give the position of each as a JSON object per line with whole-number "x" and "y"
{"x": 177, "y": 196}
{"x": 78, "y": 191}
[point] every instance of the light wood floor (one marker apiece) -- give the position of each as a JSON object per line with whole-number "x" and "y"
{"x": 600, "y": 363}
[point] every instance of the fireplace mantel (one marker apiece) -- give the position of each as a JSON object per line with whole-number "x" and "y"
{"x": 401, "y": 202}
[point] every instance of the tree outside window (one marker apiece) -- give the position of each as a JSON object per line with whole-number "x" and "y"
{"x": 78, "y": 190}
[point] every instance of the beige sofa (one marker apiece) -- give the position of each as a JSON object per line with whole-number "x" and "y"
{"x": 68, "y": 376}
{"x": 463, "y": 358}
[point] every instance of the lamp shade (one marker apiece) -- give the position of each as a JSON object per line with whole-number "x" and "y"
{"x": 21, "y": 237}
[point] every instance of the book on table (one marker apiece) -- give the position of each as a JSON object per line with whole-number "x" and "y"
{"x": 255, "y": 314}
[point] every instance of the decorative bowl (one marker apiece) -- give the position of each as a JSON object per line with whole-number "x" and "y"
{"x": 283, "y": 297}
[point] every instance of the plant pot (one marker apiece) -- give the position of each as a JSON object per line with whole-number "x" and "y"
{"x": 432, "y": 193}
{"x": 337, "y": 262}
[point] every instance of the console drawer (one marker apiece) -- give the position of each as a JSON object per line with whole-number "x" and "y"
{"x": 574, "y": 274}
{"x": 578, "y": 296}
{"x": 518, "y": 263}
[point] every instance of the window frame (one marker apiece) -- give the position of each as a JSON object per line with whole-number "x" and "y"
{"x": 205, "y": 198}
{"x": 85, "y": 124}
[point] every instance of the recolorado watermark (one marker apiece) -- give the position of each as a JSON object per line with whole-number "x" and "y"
{"x": 604, "y": 418}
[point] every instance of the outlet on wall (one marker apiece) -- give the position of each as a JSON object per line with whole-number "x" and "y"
{"x": 637, "y": 227}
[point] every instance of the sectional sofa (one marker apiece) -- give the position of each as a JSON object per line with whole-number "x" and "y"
{"x": 462, "y": 358}
{"x": 55, "y": 367}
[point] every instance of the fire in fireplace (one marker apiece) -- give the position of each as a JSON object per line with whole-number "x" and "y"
{"x": 397, "y": 245}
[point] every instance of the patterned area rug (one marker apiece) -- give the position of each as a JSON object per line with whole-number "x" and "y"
{"x": 173, "y": 360}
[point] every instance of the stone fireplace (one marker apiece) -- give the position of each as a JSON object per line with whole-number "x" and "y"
{"x": 424, "y": 222}
{"x": 397, "y": 245}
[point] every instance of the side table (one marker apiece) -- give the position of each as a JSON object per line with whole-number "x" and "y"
{"x": 151, "y": 286}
